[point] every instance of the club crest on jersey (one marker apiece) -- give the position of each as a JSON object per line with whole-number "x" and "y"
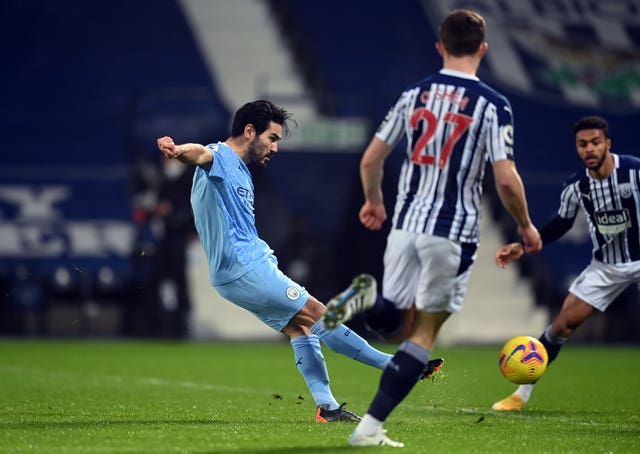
{"x": 626, "y": 190}
{"x": 612, "y": 222}
{"x": 293, "y": 293}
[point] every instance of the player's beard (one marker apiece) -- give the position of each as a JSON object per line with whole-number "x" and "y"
{"x": 254, "y": 155}
{"x": 595, "y": 167}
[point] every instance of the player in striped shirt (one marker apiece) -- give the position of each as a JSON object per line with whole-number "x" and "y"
{"x": 608, "y": 192}
{"x": 454, "y": 124}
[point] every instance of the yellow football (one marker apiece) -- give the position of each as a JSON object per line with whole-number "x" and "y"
{"x": 523, "y": 360}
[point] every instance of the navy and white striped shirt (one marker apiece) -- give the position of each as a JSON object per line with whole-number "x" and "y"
{"x": 612, "y": 208}
{"x": 454, "y": 124}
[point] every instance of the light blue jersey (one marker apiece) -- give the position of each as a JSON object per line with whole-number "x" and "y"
{"x": 222, "y": 202}
{"x": 243, "y": 268}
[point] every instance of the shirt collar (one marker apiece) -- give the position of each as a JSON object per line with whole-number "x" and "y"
{"x": 454, "y": 73}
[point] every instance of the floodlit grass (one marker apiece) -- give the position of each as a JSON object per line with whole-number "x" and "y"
{"x": 156, "y": 397}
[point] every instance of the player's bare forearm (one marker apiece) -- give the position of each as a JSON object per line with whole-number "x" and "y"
{"x": 188, "y": 153}
{"x": 371, "y": 178}
{"x": 371, "y": 170}
{"x": 511, "y": 192}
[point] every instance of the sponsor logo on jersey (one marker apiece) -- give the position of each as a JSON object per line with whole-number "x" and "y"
{"x": 245, "y": 194}
{"x": 612, "y": 222}
{"x": 293, "y": 293}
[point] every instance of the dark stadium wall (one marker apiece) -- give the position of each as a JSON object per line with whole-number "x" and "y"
{"x": 86, "y": 89}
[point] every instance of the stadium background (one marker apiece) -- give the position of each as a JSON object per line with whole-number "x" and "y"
{"x": 87, "y": 88}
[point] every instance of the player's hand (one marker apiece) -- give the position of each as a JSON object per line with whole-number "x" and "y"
{"x": 509, "y": 253}
{"x": 530, "y": 239}
{"x": 167, "y": 147}
{"x": 373, "y": 215}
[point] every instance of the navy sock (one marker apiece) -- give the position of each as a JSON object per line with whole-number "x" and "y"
{"x": 399, "y": 378}
{"x": 552, "y": 343}
{"x": 384, "y": 318}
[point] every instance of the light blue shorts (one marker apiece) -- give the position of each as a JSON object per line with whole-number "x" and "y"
{"x": 267, "y": 293}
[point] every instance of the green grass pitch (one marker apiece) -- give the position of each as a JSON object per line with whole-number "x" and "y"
{"x": 163, "y": 397}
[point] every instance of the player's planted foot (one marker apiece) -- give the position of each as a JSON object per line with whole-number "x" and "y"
{"x": 357, "y": 298}
{"x": 378, "y": 439}
{"x": 324, "y": 415}
{"x": 433, "y": 366}
{"x": 510, "y": 403}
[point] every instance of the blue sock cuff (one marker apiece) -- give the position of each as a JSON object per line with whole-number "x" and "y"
{"x": 416, "y": 351}
{"x": 555, "y": 340}
{"x": 319, "y": 329}
{"x": 309, "y": 339}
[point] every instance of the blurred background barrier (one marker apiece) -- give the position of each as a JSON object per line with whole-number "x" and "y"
{"x": 96, "y": 237}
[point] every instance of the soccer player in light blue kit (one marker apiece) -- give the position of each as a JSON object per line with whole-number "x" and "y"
{"x": 453, "y": 125}
{"x": 243, "y": 268}
{"x": 608, "y": 192}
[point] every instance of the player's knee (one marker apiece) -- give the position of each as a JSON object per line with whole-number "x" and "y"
{"x": 293, "y": 330}
{"x": 311, "y": 312}
{"x": 314, "y": 309}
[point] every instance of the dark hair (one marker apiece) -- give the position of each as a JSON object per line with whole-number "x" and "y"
{"x": 592, "y": 122}
{"x": 462, "y": 32}
{"x": 259, "y": 113}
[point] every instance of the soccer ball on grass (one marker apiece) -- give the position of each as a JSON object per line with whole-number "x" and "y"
{"x": 523, "y": 360}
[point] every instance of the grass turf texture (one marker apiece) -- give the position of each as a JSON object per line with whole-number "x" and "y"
{"x": 139, "y": 397}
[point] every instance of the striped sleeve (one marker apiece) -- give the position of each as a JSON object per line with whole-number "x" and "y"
{"x": 569, "y": 199}
{"x": 500, "y": 131}
{"x": 392, "y": 128}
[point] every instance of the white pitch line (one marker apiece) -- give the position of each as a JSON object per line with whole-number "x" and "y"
{"x": 142, "y": 381}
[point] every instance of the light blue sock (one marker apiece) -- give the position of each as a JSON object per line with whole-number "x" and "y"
{"x": 343, "y": 340}
{"x": 310, "y": 363}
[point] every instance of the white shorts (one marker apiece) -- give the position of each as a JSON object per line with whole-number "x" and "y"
{"x": 599, "y": 284}
{"x": 431, "y": 272}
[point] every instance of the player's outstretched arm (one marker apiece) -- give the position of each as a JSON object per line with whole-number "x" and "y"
{"x": 509, "y": 253}
{"x": 188, "y": 153}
